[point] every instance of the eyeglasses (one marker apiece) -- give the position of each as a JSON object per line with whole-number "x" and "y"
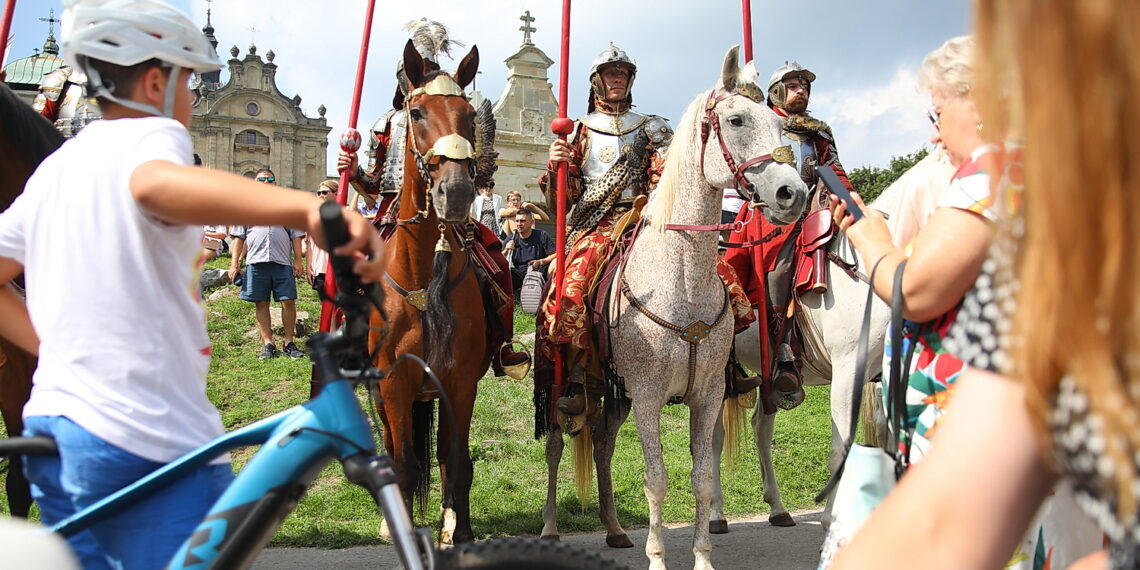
{"x": 934, "y": 115}
{"x": 322, "y": 192}
{"x": 266, "y": 179}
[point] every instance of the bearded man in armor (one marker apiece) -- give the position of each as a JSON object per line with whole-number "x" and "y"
{"x": 63, "y": 100}
{"x": 616, "y": 156}
{"x": 385, "y": 176}
{"x": 767, "y": 270}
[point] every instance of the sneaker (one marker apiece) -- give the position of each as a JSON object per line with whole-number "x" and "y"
{"x": 269, "y": 351}
{"x": 292, "y": 351}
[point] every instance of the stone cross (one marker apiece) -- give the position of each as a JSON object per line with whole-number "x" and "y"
{"x": 526, "y": 28}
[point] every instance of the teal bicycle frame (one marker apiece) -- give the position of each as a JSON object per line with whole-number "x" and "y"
{"x": 296, "y": 444}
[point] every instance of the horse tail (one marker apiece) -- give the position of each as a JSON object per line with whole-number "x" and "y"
{"x": 733, "y": 422}
{"x": 583, "y": 444}
{"x": 423, "y": 424}
{"x": 872, "y": 415}
{"x": 439, "y": 318}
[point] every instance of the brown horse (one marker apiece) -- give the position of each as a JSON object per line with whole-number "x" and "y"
{"x": 433, "y": 300}
{"x": 25, "y": 139}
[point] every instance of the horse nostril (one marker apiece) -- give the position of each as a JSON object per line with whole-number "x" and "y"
{"x": 784, "y": 194}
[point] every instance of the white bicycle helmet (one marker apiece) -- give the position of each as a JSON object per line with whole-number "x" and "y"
{"x": 129, "y": 32}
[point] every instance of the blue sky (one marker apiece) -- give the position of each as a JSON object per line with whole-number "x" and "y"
{"x": 865, "y": 54}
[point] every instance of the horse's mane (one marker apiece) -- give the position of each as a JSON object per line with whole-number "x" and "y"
{"x": 28, "y": 131}
{"x": 681, "y": 152}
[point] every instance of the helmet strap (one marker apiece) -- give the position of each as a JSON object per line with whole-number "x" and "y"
{"x": 104, "y": 91}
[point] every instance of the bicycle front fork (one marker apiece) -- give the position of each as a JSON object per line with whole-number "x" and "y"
{"x": 377, "y": 474}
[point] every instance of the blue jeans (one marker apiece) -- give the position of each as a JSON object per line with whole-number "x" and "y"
{"x": 149, "y": 532}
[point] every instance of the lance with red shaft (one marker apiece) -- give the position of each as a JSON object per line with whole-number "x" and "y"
{"x": 747, "y": 30}
{"x": 349, "y": 143}
{"x": 562, "y": 126}
{"x": 5, "y": 27}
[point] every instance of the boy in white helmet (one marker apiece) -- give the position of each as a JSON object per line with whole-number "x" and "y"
{"x": 121, "y": 383}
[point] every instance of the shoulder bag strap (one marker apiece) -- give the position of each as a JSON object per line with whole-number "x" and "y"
{"x": 898, "y": 376}
{"x": 857, "y": 389}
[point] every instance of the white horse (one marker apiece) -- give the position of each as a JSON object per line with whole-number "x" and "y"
{"x": 831, "y": 322}
{"x": 663, "y": 343}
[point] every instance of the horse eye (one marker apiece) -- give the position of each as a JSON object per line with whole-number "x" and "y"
{"x": 416, "y": 115}
{"x": 736, "y": 121}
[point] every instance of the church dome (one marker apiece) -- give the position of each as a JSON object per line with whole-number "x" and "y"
{"x": 31, "y": 70}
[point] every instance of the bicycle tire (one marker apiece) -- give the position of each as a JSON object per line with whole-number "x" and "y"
{"x": 522, "y": 554}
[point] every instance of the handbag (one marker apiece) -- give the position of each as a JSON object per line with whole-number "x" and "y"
{"x": 867, "y": 474}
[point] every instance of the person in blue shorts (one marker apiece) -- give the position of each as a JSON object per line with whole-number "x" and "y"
{"x": 272, "y": 256}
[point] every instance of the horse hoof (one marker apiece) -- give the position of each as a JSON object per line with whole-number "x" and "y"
{"x": 718, "y": 527}
{"x": 554, "y": 537}
{"x": 781, "y": 519}
{"x": 619, "y": 541}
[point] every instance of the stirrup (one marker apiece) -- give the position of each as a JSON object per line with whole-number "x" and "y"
{"x": 516, "y": 371}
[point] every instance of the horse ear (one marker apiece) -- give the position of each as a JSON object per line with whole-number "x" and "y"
{"x": 413, "y": 65}
{"x": 731, "y": 68}
{"x": 468, "y": 68}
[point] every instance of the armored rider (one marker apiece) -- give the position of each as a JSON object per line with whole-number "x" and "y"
{"x": 615, "y": 155}
{"x": 767, "y": 270}
{"x": 382, "y": 181}
{"x": 63, "y": 100}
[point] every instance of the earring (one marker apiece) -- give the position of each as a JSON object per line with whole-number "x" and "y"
{"x": 979, "y": 127}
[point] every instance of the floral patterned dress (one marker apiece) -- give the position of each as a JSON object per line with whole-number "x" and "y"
{"x": 930, "y": 380}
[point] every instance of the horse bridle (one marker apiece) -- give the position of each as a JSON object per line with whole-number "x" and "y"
{"x": 454, "y": 146}
{"x": 711, "y": 123}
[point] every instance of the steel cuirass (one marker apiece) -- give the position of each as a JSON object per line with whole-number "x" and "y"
{"x": 611, "y": 135}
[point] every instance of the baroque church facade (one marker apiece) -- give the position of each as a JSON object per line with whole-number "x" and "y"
{"x": 248, "y": 123}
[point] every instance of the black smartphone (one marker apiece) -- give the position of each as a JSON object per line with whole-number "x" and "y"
{"x": 836, "y": 187}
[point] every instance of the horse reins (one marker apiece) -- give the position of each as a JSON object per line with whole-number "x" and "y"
{"x": 710, "y": 124}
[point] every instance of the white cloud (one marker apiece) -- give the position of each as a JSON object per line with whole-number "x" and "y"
{"x": 873, "y": 123}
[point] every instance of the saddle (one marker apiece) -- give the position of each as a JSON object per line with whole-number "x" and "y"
{"x": 603, "y": 290}
{"x": 816, "y": 232}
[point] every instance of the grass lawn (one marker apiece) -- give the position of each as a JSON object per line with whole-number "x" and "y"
{"x": 510, "y": 469}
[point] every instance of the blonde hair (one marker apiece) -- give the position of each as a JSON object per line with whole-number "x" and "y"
{"x": 1078, "y": 310}
{"x": 330, "y": 185}
{"x": 513, "y": 193}
{"x": 949, "y": 70}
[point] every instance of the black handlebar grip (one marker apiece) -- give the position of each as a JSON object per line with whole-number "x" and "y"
{"x": 332, "y": 220}
{"x": 336, "y": 235}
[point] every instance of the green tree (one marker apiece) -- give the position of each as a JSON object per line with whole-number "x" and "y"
{"x": 870, "y": 181}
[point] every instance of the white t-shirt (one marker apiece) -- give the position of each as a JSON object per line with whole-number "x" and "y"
{"x": 113, "y": 293}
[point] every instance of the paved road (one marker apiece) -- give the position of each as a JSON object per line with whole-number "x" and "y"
{"x": 750, "y": 543}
